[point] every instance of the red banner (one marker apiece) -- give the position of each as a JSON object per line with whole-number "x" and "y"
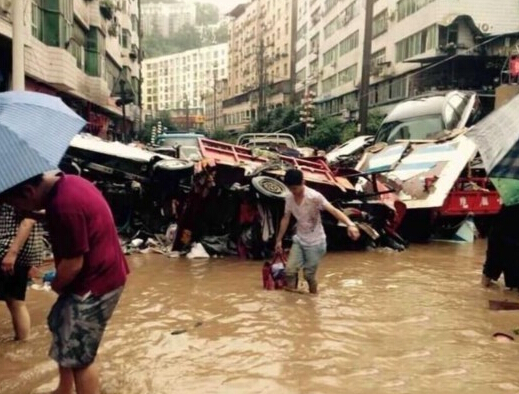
{"x": 514, "y": 67}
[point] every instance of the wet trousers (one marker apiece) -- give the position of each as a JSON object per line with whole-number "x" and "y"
{"x": 305, "y": 257}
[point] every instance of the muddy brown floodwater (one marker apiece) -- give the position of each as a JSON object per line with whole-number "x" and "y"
{"x": 415, "y": 322}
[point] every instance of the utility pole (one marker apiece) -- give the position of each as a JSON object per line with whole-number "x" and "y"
{"x": 261, "y": 79}
{"x": 293, "y": 51}
{"x": 140, "y": 56}
{"x": 215, "y": 81}
{"x": 18, "y": 45}
{"x": 187, "y": 110}
{"x": 366, "y": 68}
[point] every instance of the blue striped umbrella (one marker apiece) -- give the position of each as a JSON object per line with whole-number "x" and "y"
{"x": 35, "y": 132}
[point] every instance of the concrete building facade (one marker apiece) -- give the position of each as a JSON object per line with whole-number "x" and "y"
{"x": 77, "y": 50}
{"x": 261, "y": 60}
{"x": 166, "y": 18}
{"x": 417, "y": 45}
{"x": 179, "y": 83}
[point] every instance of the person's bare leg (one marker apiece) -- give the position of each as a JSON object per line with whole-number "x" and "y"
{"x": 87, "y": 380}
{"x": 21, "y": 319}
{"x": 66, "y": 381}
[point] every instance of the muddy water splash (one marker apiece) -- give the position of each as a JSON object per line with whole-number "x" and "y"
{"x": 416, "y": 322}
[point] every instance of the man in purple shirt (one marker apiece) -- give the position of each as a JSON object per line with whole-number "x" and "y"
{"x": 91, "y": 271}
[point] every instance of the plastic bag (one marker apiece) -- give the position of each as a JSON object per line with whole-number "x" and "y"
{"x": 273, "y": 273}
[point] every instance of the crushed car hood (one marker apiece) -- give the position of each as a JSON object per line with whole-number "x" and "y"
{"x": 422, "y": 174}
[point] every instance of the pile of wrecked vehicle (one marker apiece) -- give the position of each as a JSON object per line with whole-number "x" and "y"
{"x": 228, "y": 198}
{"x": 421, "y": 152}
{"x": 417, "y": 174}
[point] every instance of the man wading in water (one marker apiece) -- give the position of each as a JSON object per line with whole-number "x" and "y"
{"x": 90, "y": 271}
{"x": 309, "y": 243}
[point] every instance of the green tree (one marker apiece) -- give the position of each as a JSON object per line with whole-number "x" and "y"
{"x": 221, "y": 135}
{"x": 375, "y": 119}
{"x": 221, "y": 35}
{"x": 188, "y": 37}
{"x": 328, "y": 132}
{"x": 206, "y": 14}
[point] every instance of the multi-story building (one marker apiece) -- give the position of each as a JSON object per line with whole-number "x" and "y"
{"x": 166, "y": 18}
{"x": 261, "y": 61}
{"x": 417, "y": 45}
{"x": 214, "y": 118}
{"x": 77, "y": 50}
{"x": 178, "y": 83}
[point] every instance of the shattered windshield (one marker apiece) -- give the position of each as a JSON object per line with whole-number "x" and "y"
{"x": 176, "y": 141}
{"x": 420, "y": 128}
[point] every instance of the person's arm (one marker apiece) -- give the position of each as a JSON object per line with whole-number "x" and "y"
{"x": 283, "y": 226}
{"x": 16, "y": 245}
{"x": 39, "y": 216}
{"x": 66, "y": 272}
{"x": 353, "y": 230}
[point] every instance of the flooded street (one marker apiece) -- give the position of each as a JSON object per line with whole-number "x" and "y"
{"x": 415, "y": 322}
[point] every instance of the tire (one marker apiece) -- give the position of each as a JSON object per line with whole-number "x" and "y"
{"x": 172, "y": 170}
{"x": 270, "y": 187}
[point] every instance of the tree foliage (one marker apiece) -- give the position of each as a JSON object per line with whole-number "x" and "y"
{"x": 206, "y": 14}
{"x": 224, "y": 136}
{"x": 328, "y": 132}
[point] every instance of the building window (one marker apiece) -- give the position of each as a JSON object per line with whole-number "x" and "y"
{"x": 377, "y": 59}
{"x": 126, "y": 38}
{"x": 329, "y": 5}
{"x": 380, "y": 24}
{"x": 301, "y": 75}
{"x": 331, "y": 28}
{"x": 301, "y": 33}
{"x": 314, "y": 67}
{"x": 417, "y": 44}
{"x": 285, "y": 69}
{"x": 94, "y": 53}
{"x": 77, "y": 45}
{"x": 405, "y": 8}
{"x": 36, "y": 19}
{"x": 330, "y": 56}
{"x": 301, "y": 54}
{"x": 347, "y": 75}
{"x": 349, "y": 43}
{"x": 329, "y": 84}
{"x": 56, "y": 21}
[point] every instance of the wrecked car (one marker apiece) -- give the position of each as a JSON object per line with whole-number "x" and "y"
{"x": 140, "y": 186}
{"x": 421, "y": 151}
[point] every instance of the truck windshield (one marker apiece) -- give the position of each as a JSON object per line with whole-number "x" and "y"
{"x": 175, "y": 141}
{"x": 421, "y": 128}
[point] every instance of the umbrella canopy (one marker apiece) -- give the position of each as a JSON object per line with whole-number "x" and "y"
{"x": 497, "y": 137}
{"x": 35, "y": 132}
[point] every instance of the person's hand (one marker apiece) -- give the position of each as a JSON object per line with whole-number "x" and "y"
{"x": 353, "y": 232}
{"x": 279, "y": 247}
{"x": 8, "y": 262}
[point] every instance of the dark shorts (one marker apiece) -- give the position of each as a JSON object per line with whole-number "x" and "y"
{"x": 14, "y": 286}
{"x": 77, "y": 325}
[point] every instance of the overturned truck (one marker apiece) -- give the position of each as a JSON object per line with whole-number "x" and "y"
{"x": 237, "y": 202}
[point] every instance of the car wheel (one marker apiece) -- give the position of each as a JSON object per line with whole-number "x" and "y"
{"x": 270, "y": 187}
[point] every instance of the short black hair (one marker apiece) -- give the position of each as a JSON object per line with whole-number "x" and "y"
{"x": 293, "y": 177}
{"x": 17, "y": 190}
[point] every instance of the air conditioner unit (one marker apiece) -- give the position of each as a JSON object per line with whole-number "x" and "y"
{"x": 5, "y": 6}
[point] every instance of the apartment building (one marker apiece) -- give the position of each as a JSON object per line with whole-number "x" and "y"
{"x": 417, "y": 46}
{"x": 77, "y": 50}
{"x": 261, "y": 66}
{"x": 214, "y": 118}
{"x": 166, "y": 18}
{"x": 179, "y": 83}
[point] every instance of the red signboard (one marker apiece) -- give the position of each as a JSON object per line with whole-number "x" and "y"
{"x": 514, "y": 67}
